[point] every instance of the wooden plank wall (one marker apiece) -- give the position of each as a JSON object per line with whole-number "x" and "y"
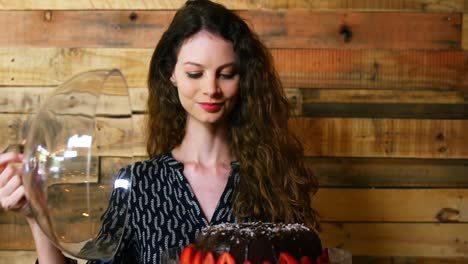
{"x": 380, "y": 90}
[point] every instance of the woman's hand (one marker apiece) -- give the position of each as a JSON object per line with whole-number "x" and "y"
{"x": 12, "y": 192}
{"x": 13, "y": 198}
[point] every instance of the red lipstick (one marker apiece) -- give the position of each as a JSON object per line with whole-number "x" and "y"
{"x": 211, "y": 107}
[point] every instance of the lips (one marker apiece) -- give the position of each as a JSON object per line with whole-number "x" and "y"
{"x": 211, "y": 107}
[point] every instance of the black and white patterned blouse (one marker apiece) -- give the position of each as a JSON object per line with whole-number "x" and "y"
{"x": 164, "y": 212}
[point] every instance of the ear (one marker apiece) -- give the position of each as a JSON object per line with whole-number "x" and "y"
{"x": 173, "y": 80}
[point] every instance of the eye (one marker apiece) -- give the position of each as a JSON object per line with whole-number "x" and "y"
{"x": 194, "y": 75}
{"x": 227, "y": 76}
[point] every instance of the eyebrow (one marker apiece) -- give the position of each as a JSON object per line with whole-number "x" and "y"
{"x": 220, "y": 67}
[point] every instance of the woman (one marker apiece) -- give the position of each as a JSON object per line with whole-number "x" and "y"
{"x": 217, "y": 137}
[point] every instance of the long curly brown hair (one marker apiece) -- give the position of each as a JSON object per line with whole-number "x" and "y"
{"x": 275, "y": 184}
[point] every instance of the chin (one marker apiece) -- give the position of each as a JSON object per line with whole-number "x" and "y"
{"x": 212, "y": 120}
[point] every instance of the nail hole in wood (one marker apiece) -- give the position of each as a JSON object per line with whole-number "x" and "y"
{"x": 346, "y": 33}
{"x": 133, "y": 16}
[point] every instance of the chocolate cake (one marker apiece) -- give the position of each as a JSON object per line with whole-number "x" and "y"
{"x": 256, "y": 243}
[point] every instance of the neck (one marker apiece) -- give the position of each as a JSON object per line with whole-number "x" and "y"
{"x": 204, "y": 144}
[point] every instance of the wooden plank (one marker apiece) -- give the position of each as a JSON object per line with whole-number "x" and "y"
{"x": 464, "y": 43}
{"x": 51, "y": 66}
{"x": 16, "y": 237}
{"x": 112, "y": 138}
{"x": 17, "y": 257}
{"x": 376, "y": 5}
{"x": 9, "y": 217}
{"x": 139, "y": 140}
{"x": 391, "y": 205}
{"x": 392, "y": 103}
{"x": 372, "y": 69}
{"x": 361, "y": 137}
{"x": 21, "y": 257}
{"x": 14, "y": 129}
{"x": 107, "y": 4}
{"x": 381, "y": 172}
{"x": 21, "y": 99}
{"x": 357, "y": 30}
{"x": 298, "y": 68}
{"x": 398, "y": 239}
{"x": 407, "y": 260}
{"x": 386, "y": 110}
{"x": 277, "y": 29}
{"x": 395, "y": 95}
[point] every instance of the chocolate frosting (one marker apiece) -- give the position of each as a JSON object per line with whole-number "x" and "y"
{"x": 258, "y": 241}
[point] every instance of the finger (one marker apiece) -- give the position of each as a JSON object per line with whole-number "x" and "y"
{"x": 10, "y": 157}
{"x": 16, "y": 200}
{"x": 12, "y": 185}
{"x": 8, "y": 173}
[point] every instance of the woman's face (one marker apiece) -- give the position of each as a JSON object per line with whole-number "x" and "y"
{"x": 206, "y": 78}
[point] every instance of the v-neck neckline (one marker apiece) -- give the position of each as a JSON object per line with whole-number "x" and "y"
{"x": 179, "y": 166}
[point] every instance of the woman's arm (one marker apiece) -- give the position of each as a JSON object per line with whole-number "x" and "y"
{"x": 46, "y": 251}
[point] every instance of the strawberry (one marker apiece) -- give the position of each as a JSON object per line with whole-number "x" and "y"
{"x": 305, "y": 260}
{"x": 321, "y": 260}
{"x": 265, "y": 262}
{"x": 186, "y": 255}
{"x": 247, "y": 262}
{"x": 197, "y": 259}
{"x": 324, "y": 257}
{"x": 226, "y": 258}
{"x": 208, "y": 259}
{"x": 285, "y": 258}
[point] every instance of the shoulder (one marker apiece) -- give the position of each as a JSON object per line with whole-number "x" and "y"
{"x": 157, "y": 166}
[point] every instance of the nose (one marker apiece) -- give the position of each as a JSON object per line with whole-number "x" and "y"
{"x": 211, "y": 86}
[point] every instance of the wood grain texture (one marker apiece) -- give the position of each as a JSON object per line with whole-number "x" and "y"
{"x": 391, "y": 103}
{"x": 111, "y": 4}
{"x": 298, "y": 68}
{"x": 112, "y": 135}
{"x": 398, "y": 239}
{"x": 372, "y": 69}
{"x": 376, "y": 5}
{"x": 277, "y": 29}
{"x": 22, "y": 257}
{"x": 395, "y": 95}
{"x": 392, "y": 205}
{"x": 16, "y": 237}
{"x": 408, "y": 260}
{"x": 465, "y": 31}
{"x": 403, "y": 138}
{"x": 386, "y": 110}
{"x": 17, "y": 257}
{"x": 383, "y": 172}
